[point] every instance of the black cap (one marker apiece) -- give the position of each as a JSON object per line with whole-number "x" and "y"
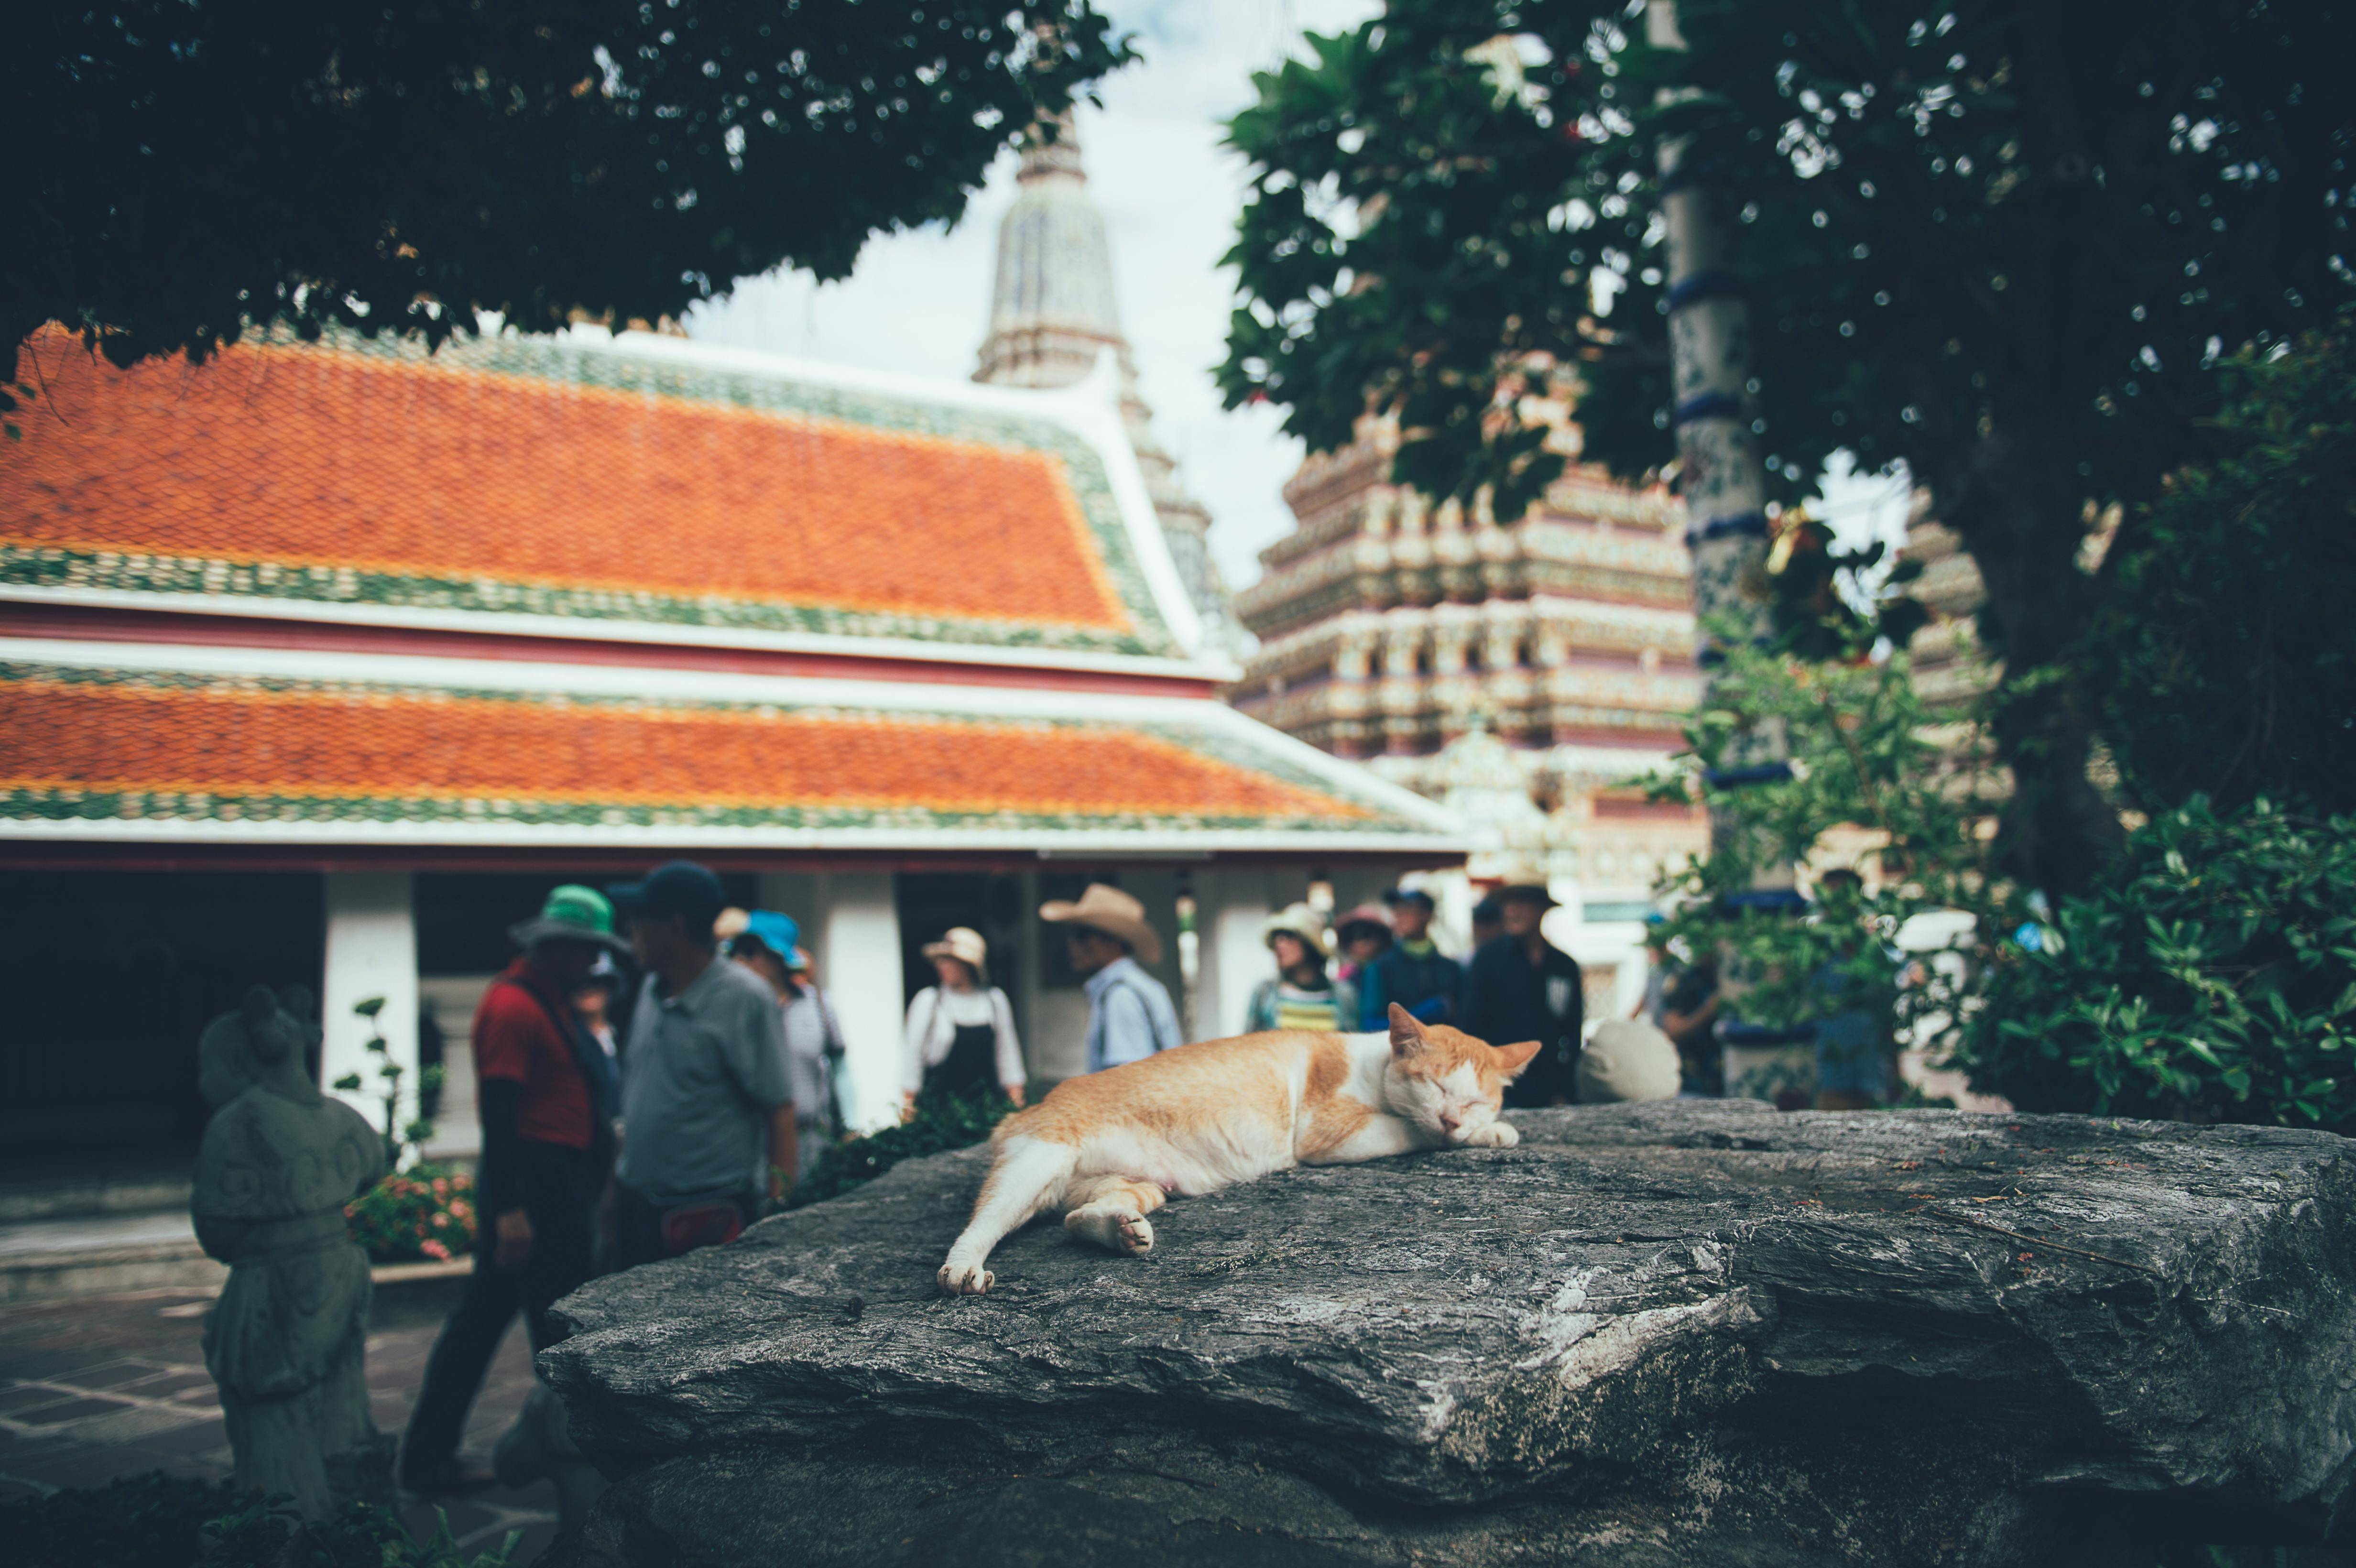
{"x": 1489, "y": 908}
{"x": 678, "y": 887}
{"x": 1409, "y": 896}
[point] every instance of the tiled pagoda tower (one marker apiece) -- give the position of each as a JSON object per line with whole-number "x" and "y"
{"x": 1435, "y": 644}
{"x": 1052, "y": 316}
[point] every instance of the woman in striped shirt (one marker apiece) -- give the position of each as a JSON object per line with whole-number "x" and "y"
{"x": 1303, "y": 995}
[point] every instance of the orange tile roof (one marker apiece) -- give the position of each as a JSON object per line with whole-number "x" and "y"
{"x": 73, "y": 741}
{"x": 559, "y": 479}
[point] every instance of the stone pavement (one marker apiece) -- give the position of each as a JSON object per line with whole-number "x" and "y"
{"x": 95, "y": 1389}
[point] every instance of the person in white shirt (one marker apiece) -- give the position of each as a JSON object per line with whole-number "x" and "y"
{"x": 961, "y": 1042}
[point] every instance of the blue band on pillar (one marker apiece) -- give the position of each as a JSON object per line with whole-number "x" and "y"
{"x": 1766, "y": 900}
{"x": 1737, "y": 778}
{"x": 1750, "y": 523}
{"x": 1703, "y": 286}
{"x": 1761, "y": 1036}
{"x": 1707, "y": 406}
{"x": 1692, "y": 171}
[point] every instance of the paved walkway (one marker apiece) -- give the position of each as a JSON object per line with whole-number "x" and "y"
{"x": 95, "y": 1389}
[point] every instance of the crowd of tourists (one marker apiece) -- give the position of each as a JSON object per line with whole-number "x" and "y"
{"x": 627, "y": 1124}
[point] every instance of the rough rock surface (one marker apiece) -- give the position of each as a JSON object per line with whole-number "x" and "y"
{"x": 1685, "y": 1333}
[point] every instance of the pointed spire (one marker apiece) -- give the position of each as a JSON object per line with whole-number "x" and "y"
{"x": 1052, "y": 316}
{"x": 1051, "y": 309}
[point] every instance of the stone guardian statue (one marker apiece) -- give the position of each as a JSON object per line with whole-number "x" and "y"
{"x": 286, "y": 1341}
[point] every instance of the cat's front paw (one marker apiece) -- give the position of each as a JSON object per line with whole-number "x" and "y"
{"x": 1490, "y": 1134}
{"x": 966, "y": 1279}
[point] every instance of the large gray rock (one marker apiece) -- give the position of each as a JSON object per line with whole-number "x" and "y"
{"x": 1681, "y": 1333}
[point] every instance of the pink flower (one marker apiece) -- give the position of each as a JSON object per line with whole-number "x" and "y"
{"x": 435, "y": 1250}
{"x": 440, "y": 1187}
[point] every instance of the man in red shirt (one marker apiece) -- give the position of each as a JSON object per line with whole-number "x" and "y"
{"x": 546, "y": 1090}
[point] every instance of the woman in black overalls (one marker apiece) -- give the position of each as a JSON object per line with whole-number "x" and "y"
{"x": 960, "y": 1044}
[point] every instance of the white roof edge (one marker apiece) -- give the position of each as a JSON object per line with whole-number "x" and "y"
{"x": 619, "y": 679}
{"x": 523, "y": 625}
{"x": 1349, "y": 776}
{"x": 1046, "y": 842}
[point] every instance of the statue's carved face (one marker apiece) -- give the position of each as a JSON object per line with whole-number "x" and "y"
{"x": 225, "y": 1066}
{"x": 240, "y": 1050}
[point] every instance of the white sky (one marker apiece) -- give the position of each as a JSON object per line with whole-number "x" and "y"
{"x": 919, "y": 302}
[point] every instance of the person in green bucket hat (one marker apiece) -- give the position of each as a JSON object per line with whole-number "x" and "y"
{"x": 549, "y": 1098}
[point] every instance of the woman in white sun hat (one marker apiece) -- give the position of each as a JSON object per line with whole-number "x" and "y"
{"x": 961, "y": 1042}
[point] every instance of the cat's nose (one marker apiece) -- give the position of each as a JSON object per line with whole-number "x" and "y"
{"x": 1449, "y": 1121}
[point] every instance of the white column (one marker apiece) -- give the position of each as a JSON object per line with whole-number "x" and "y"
{"x": 1233, "y": 903}
{"x": 859, "y": 966}
{"x": 371, "y": 951}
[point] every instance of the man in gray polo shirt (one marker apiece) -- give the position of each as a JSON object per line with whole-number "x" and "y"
{"x": 707, "y": 1108}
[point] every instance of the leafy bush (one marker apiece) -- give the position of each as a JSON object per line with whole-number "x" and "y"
{"x": 1876, "y": 781}
{"x": 2210, "y": 977}
{"x": 140, "y": 1521}
{"x": 936, "y": 1127}
{"x": 2224, "y": 655}
{"x": 426, "y": 1213}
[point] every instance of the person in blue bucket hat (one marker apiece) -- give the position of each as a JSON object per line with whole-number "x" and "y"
{"x": 770, "y": 942}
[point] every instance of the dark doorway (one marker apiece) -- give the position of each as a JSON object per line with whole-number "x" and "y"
{"x": 931, "y": 903}
{"x": 111, "y": 976}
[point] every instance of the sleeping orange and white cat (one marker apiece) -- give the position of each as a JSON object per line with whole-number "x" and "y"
{"x": 1110, "y": 1148}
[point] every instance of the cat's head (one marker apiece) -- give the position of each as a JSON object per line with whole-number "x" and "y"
{"x": 1444, "y": 1080}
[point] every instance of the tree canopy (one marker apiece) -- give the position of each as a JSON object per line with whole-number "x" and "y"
{"x": 2005, "y": 245}
{"x": 177, "y": 169}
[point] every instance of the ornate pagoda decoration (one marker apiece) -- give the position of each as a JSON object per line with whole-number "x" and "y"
{"x": 1053, "y": 316}
{"x": 1435, "y": 644}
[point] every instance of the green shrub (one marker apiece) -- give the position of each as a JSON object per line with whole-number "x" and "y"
{"x": 2210, "y": 976}
{"x": 140, "y": 1521}
{"x": 2224, "y": 658}
{"x": 936, "y": 1127}
{"x": 426, "y": 1213}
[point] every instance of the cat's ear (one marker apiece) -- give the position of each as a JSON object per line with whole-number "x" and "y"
{"x": 1406, "y": 1035}
{"x": 1512, "y": 1059}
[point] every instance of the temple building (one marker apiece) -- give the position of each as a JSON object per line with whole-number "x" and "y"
{"x": 1525, "y": 672}
{"x": 320, "y": 663}
{"x": 1054, "y": 317}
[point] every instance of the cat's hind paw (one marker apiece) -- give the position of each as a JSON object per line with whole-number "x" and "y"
{"x": 966, "y": 1279}
{"x": 1491, "y": 1135}
{"x": 1136, "y": 1235}
{"x": 1116, "y": 1227}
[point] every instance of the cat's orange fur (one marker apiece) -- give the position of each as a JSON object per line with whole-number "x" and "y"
{"x": 1110, "y": 1148}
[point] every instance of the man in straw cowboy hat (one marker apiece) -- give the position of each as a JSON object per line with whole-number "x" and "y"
{"x": 1521, "y": 987}
{"x": 547, "y": 1098}
{"x": 1129, "y": 1013}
